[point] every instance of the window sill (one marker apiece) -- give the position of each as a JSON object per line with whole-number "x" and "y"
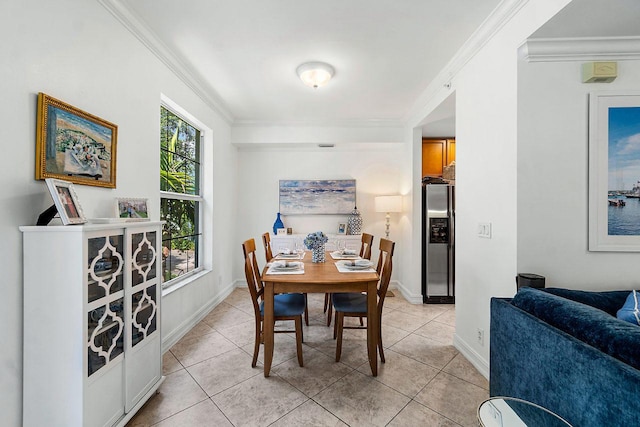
{"x": 185, "y": 282}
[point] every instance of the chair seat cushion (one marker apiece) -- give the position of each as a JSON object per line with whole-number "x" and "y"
{"x": 350, "y": 302}
{"x": 286, "y": 305}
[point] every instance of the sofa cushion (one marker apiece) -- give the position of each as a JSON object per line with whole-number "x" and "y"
{"x": 588, "y": 324}
{"x": 630, "y": 311}
{"x": 609, "y": 301}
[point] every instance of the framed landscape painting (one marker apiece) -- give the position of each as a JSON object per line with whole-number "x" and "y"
{"x": 74, "y": 145}
{"x": 614, "y": 171}
{"x": 337, "y": 196}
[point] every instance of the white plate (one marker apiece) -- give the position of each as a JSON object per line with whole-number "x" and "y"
{"x": 288, "y": 255}
{"x": 289, "y": 268}
{"x": 357, "y": 267}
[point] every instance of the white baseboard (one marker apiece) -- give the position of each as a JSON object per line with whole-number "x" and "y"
{"x": 471, "y": 355}
{"x": 408, "y": 295}
{"x": 174, "y": 336}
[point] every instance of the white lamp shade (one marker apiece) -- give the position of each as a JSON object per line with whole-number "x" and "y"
{"x": 315, "y": 74}
{"x": 388, "y": 203}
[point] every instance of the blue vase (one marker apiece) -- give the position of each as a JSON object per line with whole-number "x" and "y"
{"x": 277, "y": 224}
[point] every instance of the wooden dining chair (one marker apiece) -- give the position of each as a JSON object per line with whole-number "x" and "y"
{"x": 268, "y": 255}
{"x": 354, "y": 304}
{"x": 285, "y": 306}
{"x": 365, "y": 252}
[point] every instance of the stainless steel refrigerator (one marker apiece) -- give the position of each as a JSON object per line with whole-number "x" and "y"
{"x": 438, "y": 242}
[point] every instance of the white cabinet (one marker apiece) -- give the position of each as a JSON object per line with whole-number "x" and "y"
{"x": 289, "y": 241}
{"x": 92, "y": 342}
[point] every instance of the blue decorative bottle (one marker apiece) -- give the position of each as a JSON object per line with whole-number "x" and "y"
{"x": 277, "y": 224}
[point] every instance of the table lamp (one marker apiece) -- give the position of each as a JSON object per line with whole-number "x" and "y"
{"x": 388, "y": 204}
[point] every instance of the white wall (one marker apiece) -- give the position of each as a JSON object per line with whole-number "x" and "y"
{"x": 76, "y": 51}
{"x": 377, "y": 168}
{"x": 486, "y": 174}
{"x": 553, "y": 178}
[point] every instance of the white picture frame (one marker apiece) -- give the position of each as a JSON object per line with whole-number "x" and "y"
{"x": 66, "y": 201}
{"x": 342, "y": 228}
{"x": 129, "y": 207}
{"x": 281, "y": 232}
{"x": 614, "y": 161}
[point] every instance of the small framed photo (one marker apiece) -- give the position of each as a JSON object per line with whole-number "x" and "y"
{"x": 282, "y": 231}
{"x": 342, "y": 228}
{"x": 289, "y": 230}
{"x": 66, "y": 200}
{"x": 132, "y": 208}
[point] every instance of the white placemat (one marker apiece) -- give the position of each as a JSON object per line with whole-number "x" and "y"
{"x": 273, "y": 270}
{"x": 340, "y": 265}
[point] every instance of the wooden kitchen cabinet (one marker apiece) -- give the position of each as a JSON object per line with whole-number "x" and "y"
{"x": 436, "y": 154}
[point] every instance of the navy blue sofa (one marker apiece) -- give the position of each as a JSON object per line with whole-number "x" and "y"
{"x": 566, "y": 351}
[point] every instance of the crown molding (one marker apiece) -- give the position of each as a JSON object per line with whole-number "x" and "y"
{"x": 485, "y": 32}
{"x": 581, "y": 49}
{"x": 185, "y": 73}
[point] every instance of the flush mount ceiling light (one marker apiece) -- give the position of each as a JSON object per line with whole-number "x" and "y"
{"x": 315, "y": 74}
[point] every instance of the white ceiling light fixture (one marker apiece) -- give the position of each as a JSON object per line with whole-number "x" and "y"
{"x": 315, "y": 74}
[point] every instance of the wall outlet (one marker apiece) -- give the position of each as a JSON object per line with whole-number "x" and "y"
{"x": 480, "y": 336}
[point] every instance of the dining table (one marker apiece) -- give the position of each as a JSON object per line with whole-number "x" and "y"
{"x": 321, "y": 277}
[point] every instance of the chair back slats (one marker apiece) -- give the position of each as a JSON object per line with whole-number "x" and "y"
{"x": 252, "y": 273}
{"x": 384, "y": 269}
{"x": 266, "y": 241}
{"x": 365, "y": 249}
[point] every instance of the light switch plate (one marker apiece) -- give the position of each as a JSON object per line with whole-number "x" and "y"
{"x": 484, "y": 230}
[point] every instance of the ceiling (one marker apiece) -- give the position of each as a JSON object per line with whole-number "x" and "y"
{"x": 594, "y": 18}
{"x": 245, "y": 52}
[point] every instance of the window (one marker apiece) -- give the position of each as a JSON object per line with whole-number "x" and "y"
{"x": 180, "y": 197}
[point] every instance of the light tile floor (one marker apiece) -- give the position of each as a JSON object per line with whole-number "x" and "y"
{"x": 425, "y": 381}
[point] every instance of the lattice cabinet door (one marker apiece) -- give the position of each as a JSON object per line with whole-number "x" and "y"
{"x": 105, "y": 301}
{"x": 143, "y": 313}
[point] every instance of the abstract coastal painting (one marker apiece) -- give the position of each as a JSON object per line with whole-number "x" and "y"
{"x": 614, "y": 171}
{"x": 337, "y": 196}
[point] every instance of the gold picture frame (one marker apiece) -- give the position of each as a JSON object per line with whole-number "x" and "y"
{"x": 74, "y": 145}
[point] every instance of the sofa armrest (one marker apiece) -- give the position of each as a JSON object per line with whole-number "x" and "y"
{"x": 588, "y": 324}
{"x": 534, "y": 361}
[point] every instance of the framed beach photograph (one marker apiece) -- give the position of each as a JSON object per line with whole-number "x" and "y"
{"x": 614, "y": 171}
{"x": 66, "y": 200}
{"x": 342, "y": 228}
{"x": 73, "y": 145}
{"x": 132, "y": 208}
{"x": 332, "y": 196}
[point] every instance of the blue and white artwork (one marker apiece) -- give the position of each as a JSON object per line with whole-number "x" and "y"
{"x": 336, "y": 196}
{"x": 624, "y": 171}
